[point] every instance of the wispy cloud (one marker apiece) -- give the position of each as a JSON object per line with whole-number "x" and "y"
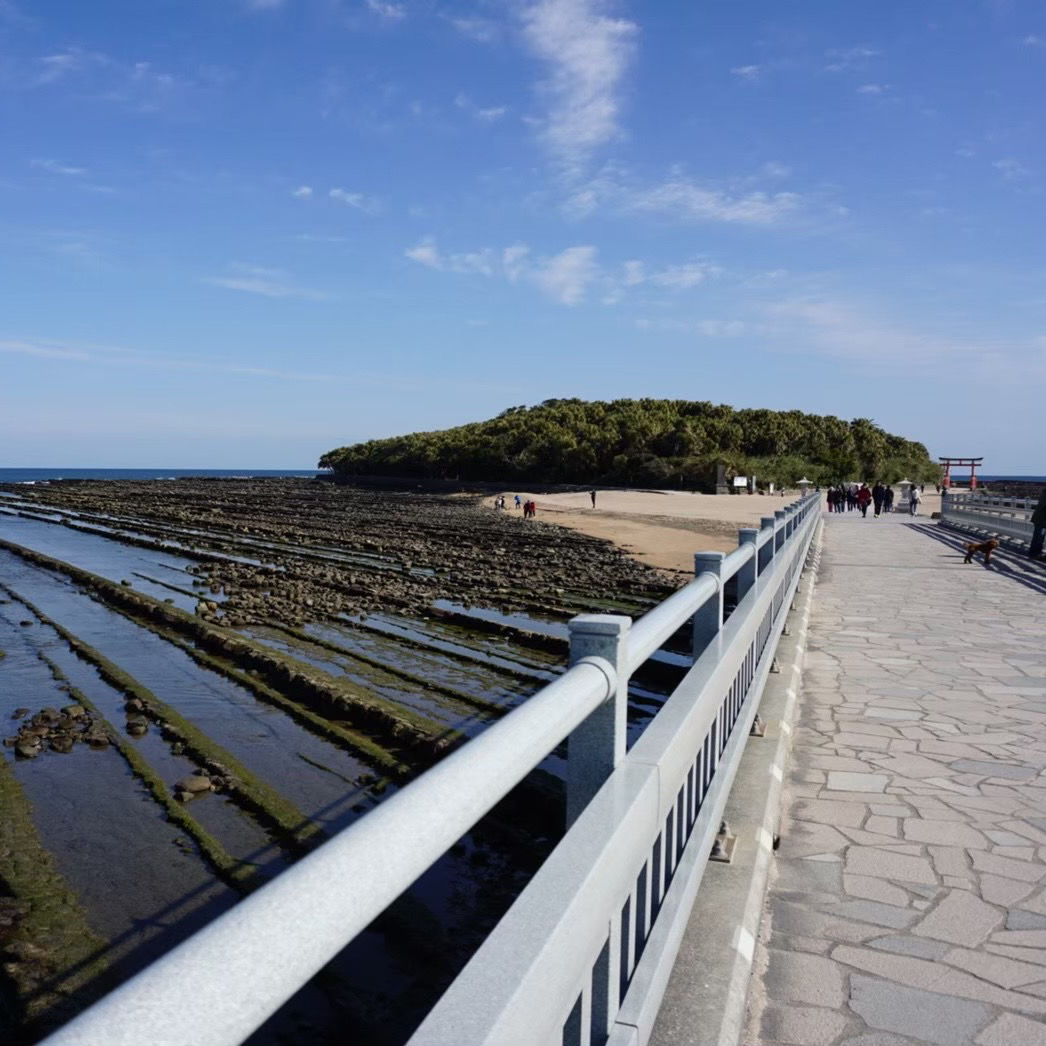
{"x": 54, "y": 167}
{"x": 566, "y": 277}
{"x": 489, "y": 114}
{"x": 427, "y": 253}
{"x": 1034, "y": 41}
{"x": 747, "y": 73}
{"x": 841, "y": 60}
{"x": 860, "y": 335}
{"x": 1012, "y": 170}
{"x": 117, "y": 356}
{"x": 388, "y": 11}
{"x": 303, "y": 192}
{"x": 873, "y": 89}
{"x": 587, "y": 53}
{"x": 362, "y": 202}
{"x": 140, "y": 85}
{"x": 482, "y": 30}
{"x": 702, "y": 328}
{"x": 268, "y": 283}
{"x": 684, "y": 199}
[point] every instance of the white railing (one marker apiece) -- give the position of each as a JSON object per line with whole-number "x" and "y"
{"x": 985, "y": 515}
{"x": 584, "y": 953}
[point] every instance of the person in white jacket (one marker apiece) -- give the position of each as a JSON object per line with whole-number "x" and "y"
{"x": 913, "y": 501}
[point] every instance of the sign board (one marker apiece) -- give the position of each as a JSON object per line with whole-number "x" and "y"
{"x": 741, "y": 481}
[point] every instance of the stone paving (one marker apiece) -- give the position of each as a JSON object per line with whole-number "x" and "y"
{"x": 909, "y": 898}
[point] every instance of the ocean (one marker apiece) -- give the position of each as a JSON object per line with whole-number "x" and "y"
{"x": 47, "y": 475}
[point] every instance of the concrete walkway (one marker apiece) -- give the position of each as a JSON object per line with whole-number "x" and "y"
{"x": 909, "y": 898}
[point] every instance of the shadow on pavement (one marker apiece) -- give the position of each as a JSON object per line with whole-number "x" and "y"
{"x": 1015, "y": 567}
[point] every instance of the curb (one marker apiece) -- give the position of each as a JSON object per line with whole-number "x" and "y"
{"x": 706, "y": 999}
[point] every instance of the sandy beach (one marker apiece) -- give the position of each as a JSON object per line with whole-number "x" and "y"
{"x": 664, "y": 528}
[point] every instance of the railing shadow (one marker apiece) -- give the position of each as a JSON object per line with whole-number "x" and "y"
{"x": 1025, "y": 571}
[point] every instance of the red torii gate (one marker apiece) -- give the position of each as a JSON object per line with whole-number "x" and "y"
{"x": 946, "y": 464}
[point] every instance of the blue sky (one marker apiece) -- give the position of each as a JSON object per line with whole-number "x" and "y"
{"x": 241, "y": 232}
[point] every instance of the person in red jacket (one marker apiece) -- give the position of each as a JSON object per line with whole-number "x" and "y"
{"x": 864, "y": 499}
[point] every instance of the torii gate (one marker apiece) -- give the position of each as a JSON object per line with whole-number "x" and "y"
{"x": 946, "y": 464}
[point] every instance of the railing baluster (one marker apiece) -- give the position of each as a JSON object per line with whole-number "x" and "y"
{"x": 596, "y": 747}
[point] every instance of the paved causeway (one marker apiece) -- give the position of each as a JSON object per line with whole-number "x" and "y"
{"x": 909, "y": 901}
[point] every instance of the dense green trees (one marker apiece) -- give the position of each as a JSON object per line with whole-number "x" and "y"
{"x": 651, "y": 442}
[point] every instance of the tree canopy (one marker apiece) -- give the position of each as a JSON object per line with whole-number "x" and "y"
{"x": 652, "y": 442}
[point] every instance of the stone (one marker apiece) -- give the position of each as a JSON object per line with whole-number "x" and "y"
{"x": 875, "y": 890}
{"x": 997, "y": 890}
{"x": 802, "y": 1025}
{"x": 944, "y": 833}
{"x": 920, "y": 1015}
{"x": 1009, "y": 869}
{"x": 802, "y": 978}
{"x": 961, "y": 918}
{"x": 1007, "y": 973}
{"x": 1013, "y": 1030}
{"x": 916, "y": 947}
{"x": 841, "y": 781}
{"x": 194, "y": 783}
{"x": 883, "y": 864}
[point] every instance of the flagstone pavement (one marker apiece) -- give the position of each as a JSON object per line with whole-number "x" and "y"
{"x": 908, "y": 903}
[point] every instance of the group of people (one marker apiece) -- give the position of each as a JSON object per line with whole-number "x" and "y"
{"x": 854, "y": 498}
{"x": 529, "y": 507}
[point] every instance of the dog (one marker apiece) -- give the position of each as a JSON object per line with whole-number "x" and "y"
{"x": 987, "y": 547}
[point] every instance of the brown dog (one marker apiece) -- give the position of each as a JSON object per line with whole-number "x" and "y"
{"x": 987, "y": 547}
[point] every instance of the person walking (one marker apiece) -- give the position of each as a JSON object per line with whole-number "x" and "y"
{"x": 878, "y": 493}
{"x": 519, "y": 501}
{"x": 888, "y": 499}
{"x": 1038, "y": 518}
{"x": 864, "y": 499}
{"x": 913, "y": 501}
{"x": 592, "y": 494}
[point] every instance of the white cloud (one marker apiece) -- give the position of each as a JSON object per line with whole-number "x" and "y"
{"x": 749, "y": 73}
{"x": 303, "y": 192}
{"x": 684, "y": 199}
{"x": 565, "y": 277}
{"x": 54, "y": 167}
{"x": 390, "y": 12}
{"x": 482, "y": 30}
{"x": 873, "y": 88}
{"x": 1034, "y": 41}
{"x": 688, "y": 200}
{"x": 514, "y": 260}
{"x": 268, "y": 283}
{"x": 843, "y": 331}
{"x": 427, "y": 253}
{"x": 64, "y": 63}
{"x": 367, "y": 204}
{"x": 490, "y": 114}
{"x": 1012, "y": 170}
{"x": 676, "y": 277}
{"x": 703, "y": 328}
{"x": 850, "y": 58}
{"x": 587, "y": 53}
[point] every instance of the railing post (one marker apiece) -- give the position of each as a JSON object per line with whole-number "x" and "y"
{"x": 779, "y": 534}
{"x": 750, "y": 571}
{"x": 770, "y": 547}
{"x": 708, "y": 619}
{"x": 596, "y": 747}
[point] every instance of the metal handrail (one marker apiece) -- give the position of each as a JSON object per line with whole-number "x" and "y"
{"x": 218, "y": 986}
